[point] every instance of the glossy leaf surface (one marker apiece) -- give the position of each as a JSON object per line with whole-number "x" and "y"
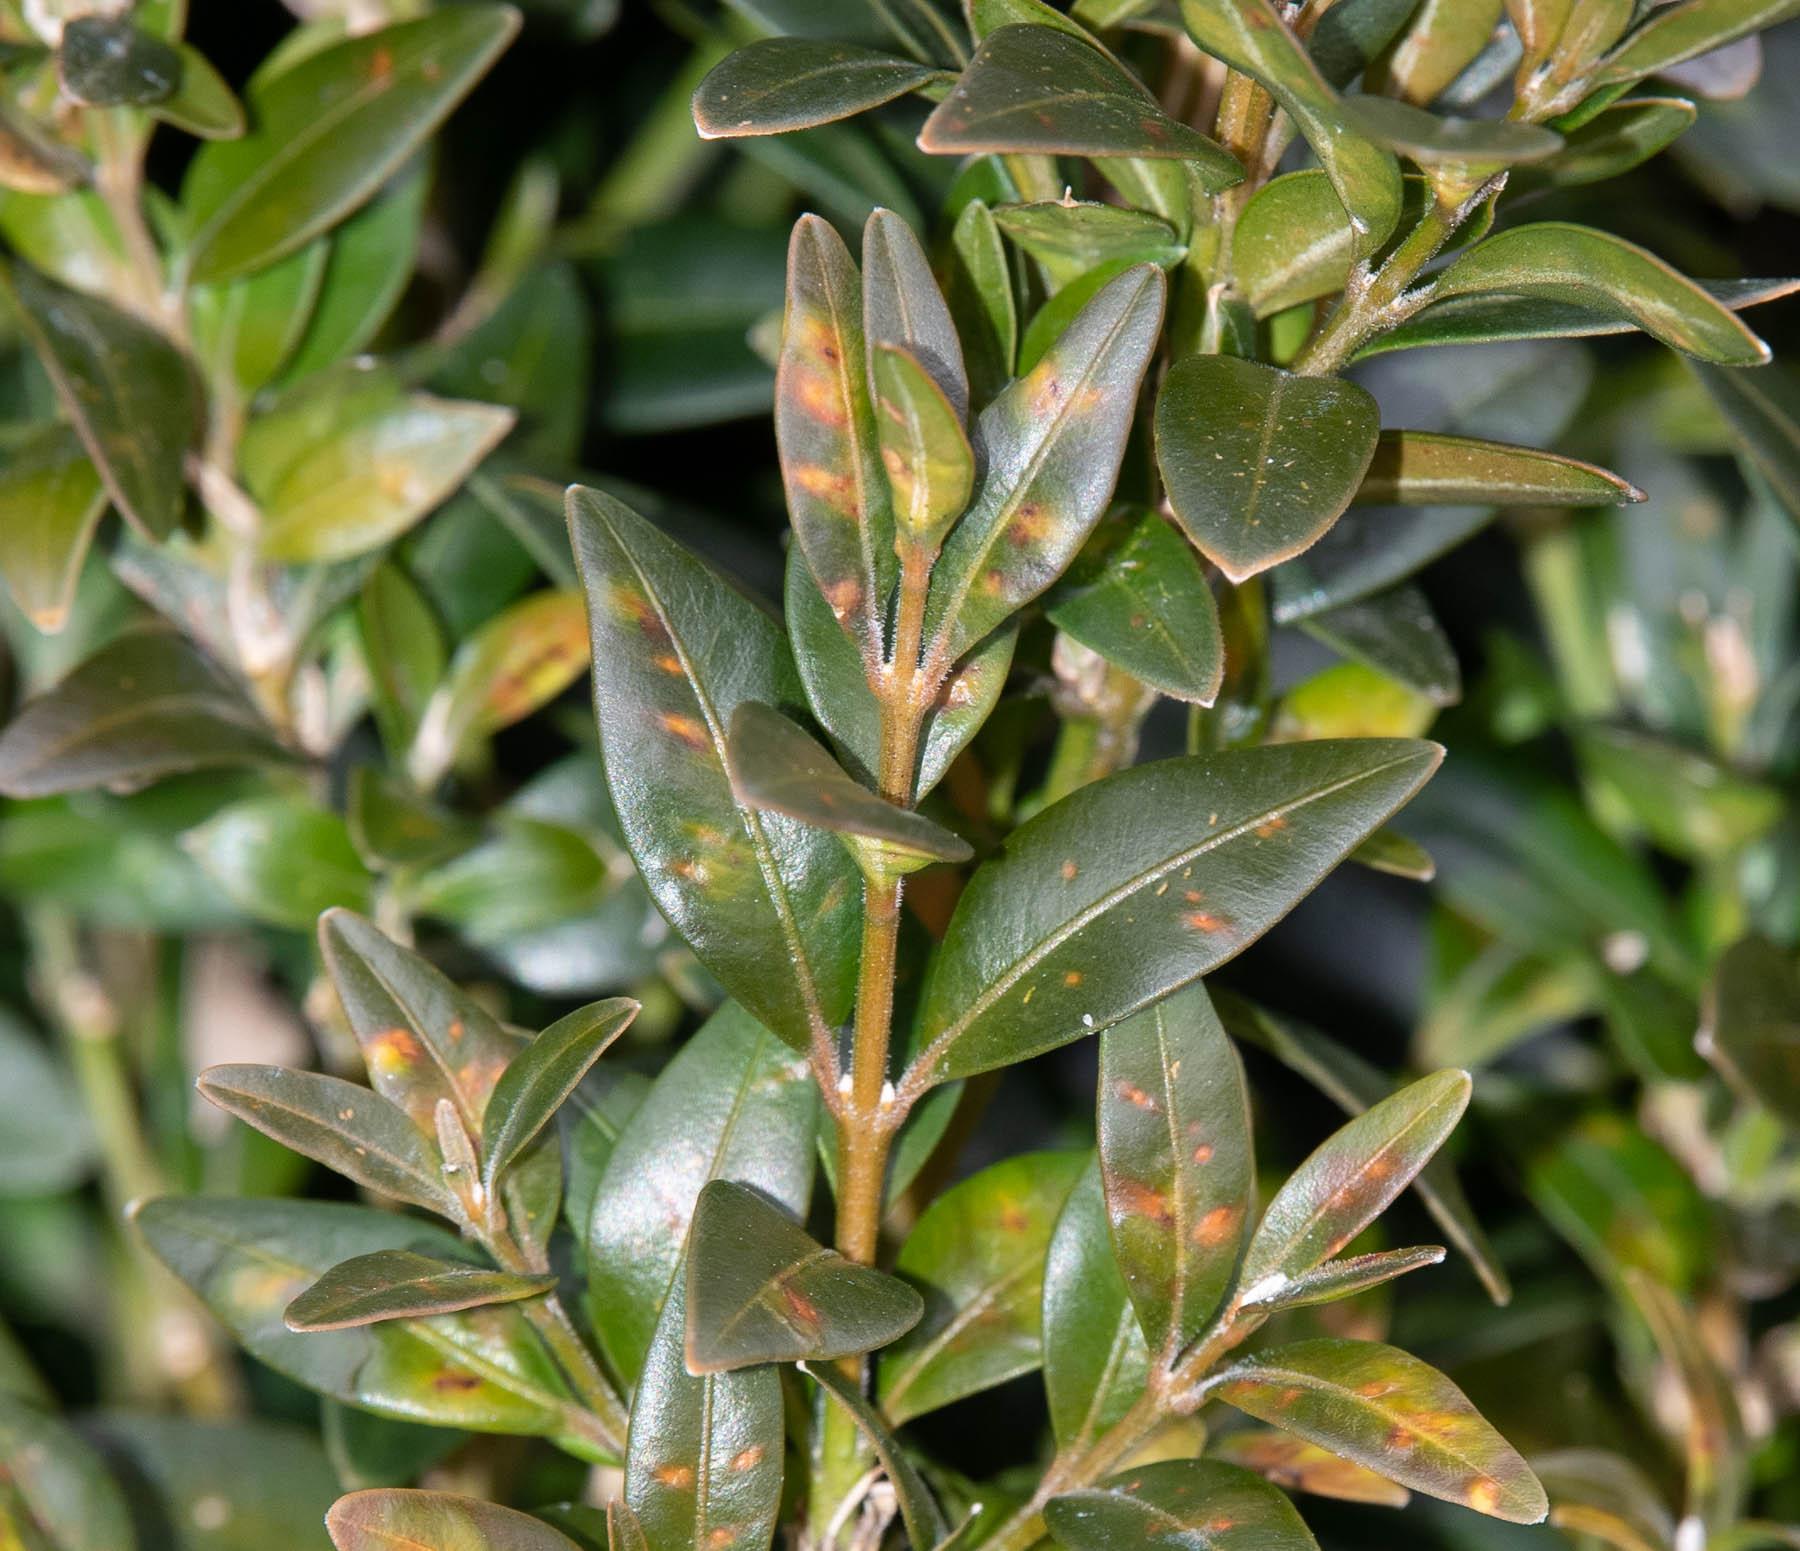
{"x": 402, "y": 1284}
{"x": 126, "y": 389}
{"x": 926, "y": 1526}
{"x": 1146, "y": 607}
{"x": 761, "y": 1289}
{"x": 389, "y": 1518}
{"x": 1360, "y": 1399}
{"x": 1685, "y": 31}
{"x": 1428, "y": 468}
{"x": 1040, "y": 89}
{"x": 1763, "y": 411}
{"x": 106, "y": 62}
{"x": 777, "y": 767}
{"x": 51, "y": 498}
{"x": 1249, "y": 36}
{"x": 837, "y": 491}
{"x": 1176, "y": 1162}
{"x": 924, "y": 449}
{"x": 732, "y": 1104}
{"x": 281, "y": 859}
{"x": 1095, "y": 1355}
{"x": 1260, "y": 462}
{"x": 780, "y": 84}
{"x": 1051, "y": 445}
{"x": 769, "y": 905}
{"x": 329, "y": 132}
{"x": 1559, "y": 262}
{"x": 1197, "y": 1505}
{"x": 978, "y": 1253}
{"x": 704, "y": 1460}
{"x": 1085, "y": 916}
{"x": 1350, "y": 1180}
{"x": 341, "y": 1124}
{"x": 145, "y": 706}
{"x": 1751, "y": 1022}
{"x": 1431, "y": 139}
{"x": 1300, "y": 1466}
{"x": 249, "y": 1259}
{"x": 539, "y": 1079}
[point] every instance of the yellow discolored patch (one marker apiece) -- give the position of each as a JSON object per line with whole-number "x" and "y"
{"x": 678, "y": 1478}
{"x": 824, "y": 484}
{"x": 818, "y": 395}
{"x": 1400, "y": 1441}
{"x": 392, "y": 1050}
{"x": 684, "y": 729}
{"x": 1484, "y": 1496}
{"x": 1072, "y": 979}
{"x": 668, "y": 662}
{"x": 1218, "y": 1226}
{"x": 1031, "y": 524}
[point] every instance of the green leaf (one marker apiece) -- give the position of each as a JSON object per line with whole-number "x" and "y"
{"x": 403, "y": 1284}
{"x": 926, "y": 1526}
{"x": 1598, "y": 1493}
{"x": 389, "y": 1518}
{"x": 703, "y": 1463}
{"x": 1086, "y": 915}
{"x": 1259, "y": 462}
{"x": 1349, "y": 1181}
{"x": 145, "y": 706}
{"x": 732, "y": 1104}
{"x": 1293, "y": 242}
{"x": 1190, "y": 1504}
{"x": 202, "y": 104}
{"x": 1763, "y": 412}
{"x": 1352, "y": 700}
{"x": 1434, "y": 141}
{"x": 1389, "y": 851}
{"x": 1386, "y": 1410}
{"x": 1176, "y": 1162}
{"x": 1427, "y": 468}
{"x": 779, "y": 84}
{"x": 1041, "y": 90}
{"x": 763, "y": 1290}
{"x": 338, "y": 473}
{"x": 1713, "y": 1441}
{"x": 1440, "y": 41}
{"x": 520, "y": 660}
{"x": 1621, "y": 136}
{"x": 47, "y": 1139}
{"x": 904, "y": 309}
{"x": 51, "y": 499}
{"x": 526, "y": 877}
{"x": 1395, "y": 633}
{"x": 1146, "y": 607}
{"x": 1095, "y": 1357}
{"x": 1249, "y": 36}
{"x": 1346, "y": 1277}
{"x": 840, "y": 698}
{"x": 981, "y": 300}
{"x": 281, "y": 860}
{"x": 328, "y": 133}
{"x": 237, "y": 1485}
{"x": 106, "y": 62}
{"x": 1558, "y": 262}
{"x": 244, "y": 330}
{"x": 770, "y": 906}
{"x": 423, "y": 1039}
{"x": 1300, "y": 1466}
{"x": 126, "y": 389}
{"x": 778, "y": 768}
{"x": 370, "y": 259}
{"x": 403, "y": 651}
{"x": 1685, "y": 31}
{"x": 249, "y": 1259}
{"x": 58, "y": 1485}
{"x": 978, "y": 1250}
{"x": 924, "y": 449}
{"x": 538, "y": 1080}
{"x": 340, "y": 1124}
{"x": 1750, "y": 1023}
{"x": 825, "y": 427}
{"x": 1072, "y": 237}
{"x": 1052, "y": 443}
{"x": 1477, "y": 320}
{"x": 1687, "y": 803}
{"x": 1354, "y": 1086}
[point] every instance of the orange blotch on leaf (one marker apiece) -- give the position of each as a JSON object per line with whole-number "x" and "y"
{"x": 1217, "y": 1227}
{"x": 678, "y": 1477}
{"x": 683, "y": 728}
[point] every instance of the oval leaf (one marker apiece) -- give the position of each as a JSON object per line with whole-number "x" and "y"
{"x": 924, "y": 449}
{"x": 1175, "y": 1158}
{"x": 1193, "y": 1504}
{"x": 779, "y": 84}
{"x": 1433, "y": 141}
{"x": 402, "y": 1284}
{"x": 1300, "y": 1466}
{"x": 1040, "y": 89}
{"x": 1384, "y": 1409}
{"x": 769, "y": 905}
{"x": 51, "y": 498}
{"x": 1132, "y": 887}
{"x": 1259, "y": 462}
{"x": 761, "y": 1290}
{"x": 926, "y": 1526}
{"x": 386, "y": 1518}
{"x": 329, "y": 132}
{"x": 1426, "y": 468}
